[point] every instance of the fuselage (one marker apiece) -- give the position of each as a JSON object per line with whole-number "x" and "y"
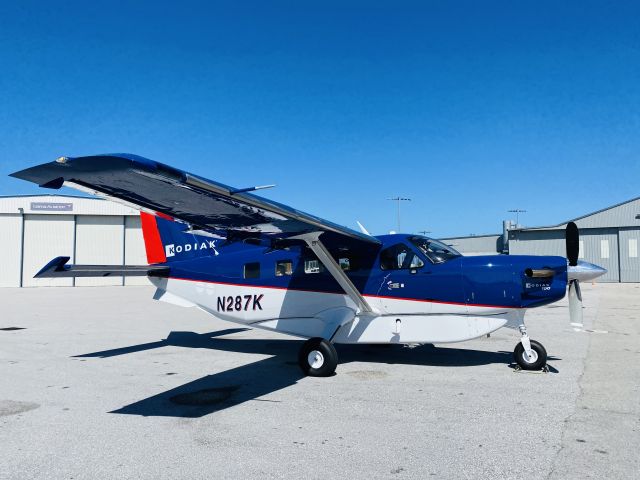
{"x": 415, "y": 298}
{"x": 496, "y": 281}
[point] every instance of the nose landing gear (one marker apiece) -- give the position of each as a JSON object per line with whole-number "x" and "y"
{"x": 529, "y": 354}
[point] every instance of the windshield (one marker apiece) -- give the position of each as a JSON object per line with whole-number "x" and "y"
{"x": 436, "y": 251}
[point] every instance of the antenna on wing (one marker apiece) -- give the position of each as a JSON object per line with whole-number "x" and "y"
{"x": 362, "y": 229}
{"x": 233, "y": 191}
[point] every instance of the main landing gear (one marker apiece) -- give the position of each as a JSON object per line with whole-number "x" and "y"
{"x": 529, "y": 354}
{"x": 318, "y": 358}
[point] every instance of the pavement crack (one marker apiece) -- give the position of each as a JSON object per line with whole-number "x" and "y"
{"x": 568, "y": 418}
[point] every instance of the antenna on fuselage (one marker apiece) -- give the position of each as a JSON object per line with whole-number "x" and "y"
{"x": 398, "y": 200}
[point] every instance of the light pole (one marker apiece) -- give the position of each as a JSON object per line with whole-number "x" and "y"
{"x": 424, "y": 232}
{"x": 517, "y": 211}
{"x": 398, "y": 200}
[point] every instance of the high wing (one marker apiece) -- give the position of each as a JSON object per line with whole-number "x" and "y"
{"x": 204, "y": 204}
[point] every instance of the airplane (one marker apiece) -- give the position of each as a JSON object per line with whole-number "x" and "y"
{"x": 252, "y": 261}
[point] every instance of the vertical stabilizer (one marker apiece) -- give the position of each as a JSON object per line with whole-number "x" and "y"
{"x": 167, "y": 241}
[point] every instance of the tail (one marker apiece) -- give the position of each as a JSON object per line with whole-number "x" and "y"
{"x": 168, "y": 241}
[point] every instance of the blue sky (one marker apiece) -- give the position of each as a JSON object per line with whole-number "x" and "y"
{"x": 468, "y": 108}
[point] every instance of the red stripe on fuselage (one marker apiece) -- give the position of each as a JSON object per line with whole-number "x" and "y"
{"x": 342, "y": 293}
{"x": 152, "y": 241}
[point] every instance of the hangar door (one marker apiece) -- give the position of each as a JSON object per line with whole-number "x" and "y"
{"x": 99, "y": 241}
{"x": 46, "y": 237}
{"x": 10, "y": 250}
{"x": 134, "y": 251}
{"x": 629, "y": 255}
{"x": 600, "y": 246}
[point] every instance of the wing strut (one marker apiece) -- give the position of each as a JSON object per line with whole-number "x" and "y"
{"x": 313, "y": 241}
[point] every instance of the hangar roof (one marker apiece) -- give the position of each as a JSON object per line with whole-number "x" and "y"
{"x": 61, "y": 205}
{"x": 624, "y": 214}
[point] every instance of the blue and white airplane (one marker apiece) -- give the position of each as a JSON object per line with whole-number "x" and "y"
{"x": 252, "y": 261}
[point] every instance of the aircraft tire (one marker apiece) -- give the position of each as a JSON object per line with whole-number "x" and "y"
{"x": 318, "y": 358}
{"x": 538, "y": 363}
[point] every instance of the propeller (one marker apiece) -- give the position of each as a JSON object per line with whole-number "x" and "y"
{"x": 572, "y": 238}
{"x": 575, "y": 303}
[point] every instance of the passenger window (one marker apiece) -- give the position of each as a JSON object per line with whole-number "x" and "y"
{"x": 284, "y": 267}
{"x": 399, "y": 257}
{"x": 252, "y": 270}
{"x": 345, "y": 264}
{"x": 313, "y": 266}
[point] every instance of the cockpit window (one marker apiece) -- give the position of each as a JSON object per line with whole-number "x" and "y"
{"x": 435, "y": 251}
{"x": 399, "y": 257}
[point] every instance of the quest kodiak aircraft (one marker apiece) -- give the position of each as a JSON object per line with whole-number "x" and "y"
{"x": 253, "y": 261}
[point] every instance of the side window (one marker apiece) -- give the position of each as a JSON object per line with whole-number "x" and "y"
{"x": 416, "y": 262}
{"x": 399, "y": 257}
{"x": 284, "y": 267}
{"x": 345, "y": 264}
{"x": 313, "y": 266}
{"x": 252, "y": 270}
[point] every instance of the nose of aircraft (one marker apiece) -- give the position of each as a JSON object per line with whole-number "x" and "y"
{"x": 584, "y": 271}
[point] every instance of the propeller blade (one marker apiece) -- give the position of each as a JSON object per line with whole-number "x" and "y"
{"x": 572, "y": 237}
{"x": 575, "y": 303}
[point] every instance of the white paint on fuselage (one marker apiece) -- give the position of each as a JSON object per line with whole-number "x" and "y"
{"x": 418, "y": 328}
{"x": 316, "y": 314}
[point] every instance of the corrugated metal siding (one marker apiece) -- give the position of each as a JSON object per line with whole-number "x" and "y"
{"x": 593, "y": 249}
{"x": 10, "y": 250}
{"x": 620, "y": 216}
{"x": 479, "y": 245}
{"x": 546, "y": 242}
{"x": 552, "y": 242}
{"x": 629, "y": 240}
{"x": 99, "y": 241}
{"x": 100, "y": 234}
{"x": 46, "y": 237}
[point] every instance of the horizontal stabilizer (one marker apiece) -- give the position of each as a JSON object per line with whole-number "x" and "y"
{"x": 58, "y": 268}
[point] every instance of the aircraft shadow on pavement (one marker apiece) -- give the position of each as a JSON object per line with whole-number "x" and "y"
{"x": 251, "y": 381}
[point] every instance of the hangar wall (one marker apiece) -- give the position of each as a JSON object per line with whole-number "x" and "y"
{"x": 609, "y": 237}
{"x": 597, "y": 245}
{"x": 476, "y": 244}
{"x": 35, "y": 229}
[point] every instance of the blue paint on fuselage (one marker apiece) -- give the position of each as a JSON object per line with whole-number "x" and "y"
{"x": 496, "y": 280}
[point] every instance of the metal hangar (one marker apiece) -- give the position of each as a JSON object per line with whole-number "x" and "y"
{"x": 36, "y": 228}
{"x": 608, "y": 237}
